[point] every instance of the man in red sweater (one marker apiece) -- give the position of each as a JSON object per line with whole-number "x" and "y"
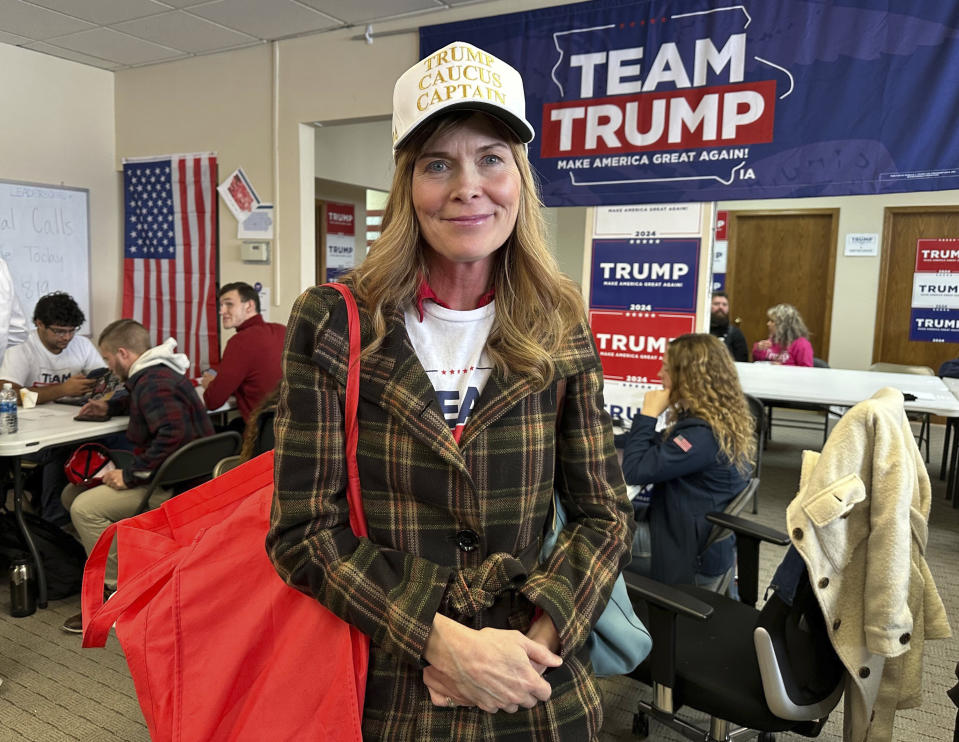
{"x": 251, "y": 365}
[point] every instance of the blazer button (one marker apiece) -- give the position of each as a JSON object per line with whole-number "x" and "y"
{"x": 836, "y": 624}
{"x": 864, "y": 672}
{"x": 904, "y": 639}
{"x": 797, "y": 533}
{"x": 467, "y": 540}
{"x": 823, "y": 583}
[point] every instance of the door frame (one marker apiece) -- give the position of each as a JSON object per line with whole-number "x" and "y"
{"x": 732, "y": 218}
{"x": 319, "y": 216}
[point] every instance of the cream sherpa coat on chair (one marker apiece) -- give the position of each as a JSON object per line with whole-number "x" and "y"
{"x": 860, "y": 523}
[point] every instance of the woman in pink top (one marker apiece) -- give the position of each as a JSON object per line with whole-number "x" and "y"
{"x": 788, "y": 342}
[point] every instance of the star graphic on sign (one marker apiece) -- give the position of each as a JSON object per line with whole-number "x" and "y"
{"x": 133, "y": 235}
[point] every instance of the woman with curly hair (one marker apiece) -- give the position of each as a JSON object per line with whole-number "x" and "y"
{"x": 788, "y": 343}
{"x": 696, "y": 466}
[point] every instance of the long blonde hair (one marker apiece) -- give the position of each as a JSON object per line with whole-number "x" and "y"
{"x": 537, "y": 307}
{"x": 789, "y": 325}
{"x": 704, "y": 384}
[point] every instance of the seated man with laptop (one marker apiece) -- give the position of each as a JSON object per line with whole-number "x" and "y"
{"x": 165, "y": 413}
{"x": 55, "y": 363}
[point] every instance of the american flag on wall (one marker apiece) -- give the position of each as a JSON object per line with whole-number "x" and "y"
{"x": 170, "y": 252}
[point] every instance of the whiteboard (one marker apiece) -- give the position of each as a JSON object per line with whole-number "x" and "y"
{"x": 45, "y": 239}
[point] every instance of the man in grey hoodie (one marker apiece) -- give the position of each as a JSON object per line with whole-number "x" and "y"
{"x": 165, "y": 414}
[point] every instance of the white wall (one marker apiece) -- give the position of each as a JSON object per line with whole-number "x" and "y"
{"x": 358, "y": 154}
{"x": 57, "y": 123}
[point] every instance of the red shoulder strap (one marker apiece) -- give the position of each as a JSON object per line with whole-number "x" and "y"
{"x": 353, "y": 494}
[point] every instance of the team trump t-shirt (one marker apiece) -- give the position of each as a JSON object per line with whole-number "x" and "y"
{"x": 451, "y": 345}
{"x": 31, "y": 364}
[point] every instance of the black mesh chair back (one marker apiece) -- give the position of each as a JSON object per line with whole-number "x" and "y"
{"x": 265, "y": 440}
{"x": 193, "y": 464}
{"x": 758, "y": 410}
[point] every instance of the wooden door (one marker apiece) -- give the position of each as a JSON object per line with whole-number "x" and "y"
{"x": 902, "y": 227}
{"x": 782, "y": 257}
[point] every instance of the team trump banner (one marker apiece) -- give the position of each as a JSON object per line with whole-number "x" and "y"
{"x": 690, "y": 100}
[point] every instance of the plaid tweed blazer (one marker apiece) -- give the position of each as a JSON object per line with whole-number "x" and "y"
{"x": 452, "y": 528}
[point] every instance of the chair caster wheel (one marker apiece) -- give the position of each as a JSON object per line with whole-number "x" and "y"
{"x": 640, "y": 725}
{"x": 766, "y": 737}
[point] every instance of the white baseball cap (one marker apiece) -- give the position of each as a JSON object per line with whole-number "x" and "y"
{"x": 459, "y": 76}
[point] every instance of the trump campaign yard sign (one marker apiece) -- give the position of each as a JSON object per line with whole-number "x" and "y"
{"x": 935, "y": 292}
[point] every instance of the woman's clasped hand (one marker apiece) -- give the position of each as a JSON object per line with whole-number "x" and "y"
{"x": 494, "y": 669}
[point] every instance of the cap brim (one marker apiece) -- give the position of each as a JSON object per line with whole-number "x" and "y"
{"x": 520, "y": 127}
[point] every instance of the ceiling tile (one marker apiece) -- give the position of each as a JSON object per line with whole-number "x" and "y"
{"x": 36, "y": 23}
{"x": 104, "y": 12}
{"x": 12, "y": 38}
{"x": 56, "y": 51}
{"x": 186, "y": 3}
{"x": 180, "y": 30}
{"x": 272, "y": 20}
{"x": 116, "y": 47}
{"x": 361, "y": 11}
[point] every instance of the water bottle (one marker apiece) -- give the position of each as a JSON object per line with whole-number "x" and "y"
{"x": 8, "y": 409}
{"x": 23, "y": 594}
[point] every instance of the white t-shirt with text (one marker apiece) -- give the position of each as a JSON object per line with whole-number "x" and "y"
{"x": 451, "y": 345}
{"x": 31, "y": 364}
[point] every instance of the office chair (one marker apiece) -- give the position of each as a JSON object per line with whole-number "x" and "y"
{"x": 192, "y": 464}
{"x": 224, "y": 465}
{"x": 758, "y": 411}
{"x": 719, "y": 533}
{"x": 770, "y": 671}
{"x": 923, "y": 418}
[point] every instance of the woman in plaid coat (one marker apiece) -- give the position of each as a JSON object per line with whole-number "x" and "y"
{"x": 467, "y": 326}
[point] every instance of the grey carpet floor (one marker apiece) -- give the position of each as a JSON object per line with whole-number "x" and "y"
{"x": 53, "y": 691}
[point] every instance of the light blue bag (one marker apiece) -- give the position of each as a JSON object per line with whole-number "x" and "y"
{"x": 619, "y": 641}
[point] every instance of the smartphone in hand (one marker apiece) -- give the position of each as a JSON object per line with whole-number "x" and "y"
{"x": 92, "y": 417}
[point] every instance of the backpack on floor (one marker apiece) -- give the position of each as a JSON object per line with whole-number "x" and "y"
{"x": 62, "y": 555}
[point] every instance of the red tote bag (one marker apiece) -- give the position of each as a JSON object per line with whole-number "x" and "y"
{"x": 219, "y": 647}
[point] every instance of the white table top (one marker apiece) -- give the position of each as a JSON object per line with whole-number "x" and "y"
{"x": 837, "y": 386}
{"x": 52, "y": 424}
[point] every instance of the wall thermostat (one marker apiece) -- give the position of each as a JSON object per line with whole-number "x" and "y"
{"x": 255, "y": 252}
